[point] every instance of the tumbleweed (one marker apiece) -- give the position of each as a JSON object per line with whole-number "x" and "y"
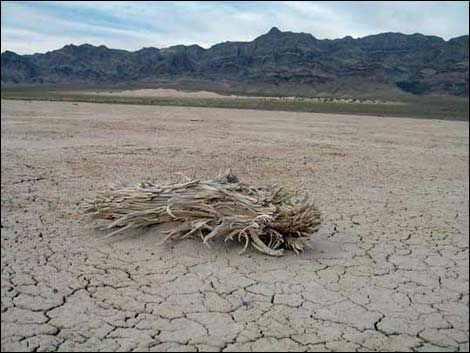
{"x": 270, "y": 218}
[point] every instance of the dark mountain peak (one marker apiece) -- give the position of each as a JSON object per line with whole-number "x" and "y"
{"x": 85, "y": 50}
{"x": 69, "y": 48}
{"x": 193, "y": 47}
{"x": 65, "y": 48}
{"x": 392, "y": 41}
{"x": 9, "y": 54}
{"x": 277, "y": 33}
{"x": 462, "y": 40}
{"x": 391, "y": 36}
{"x": 274, "y": 31}
{"x": 84, "y": 46}
{"x": 275, "y": 38}
{"x": 148, "y": 50}
{"x": 73, "y": 46}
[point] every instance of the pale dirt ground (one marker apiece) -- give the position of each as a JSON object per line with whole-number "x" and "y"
{"x": 388, "y": 271}
{"x": 157, "y": 92}
{"x": 173, "y": 93}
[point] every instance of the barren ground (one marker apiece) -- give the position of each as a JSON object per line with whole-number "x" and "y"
{"x": 173, "y": 93}
{"x": 388, "y": 269}
{"x": 157, "y": 92}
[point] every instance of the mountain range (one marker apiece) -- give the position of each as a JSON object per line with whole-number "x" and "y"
{"x": 275, "y": 62}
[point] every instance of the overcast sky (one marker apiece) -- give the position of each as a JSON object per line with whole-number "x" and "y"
{"x": 40, "y": 26}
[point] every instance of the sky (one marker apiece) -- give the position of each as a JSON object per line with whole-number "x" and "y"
{"x": 39, "y": 26}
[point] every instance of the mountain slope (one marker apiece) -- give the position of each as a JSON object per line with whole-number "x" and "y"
{"x": 280, "y": 62}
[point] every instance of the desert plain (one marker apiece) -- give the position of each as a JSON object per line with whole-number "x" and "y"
{"x": 387, "y": 271}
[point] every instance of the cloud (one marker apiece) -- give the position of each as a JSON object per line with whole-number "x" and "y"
{"x": 29, "y": 27}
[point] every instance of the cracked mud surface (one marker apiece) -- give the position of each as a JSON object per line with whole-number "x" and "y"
{"x": 388, "y": 269}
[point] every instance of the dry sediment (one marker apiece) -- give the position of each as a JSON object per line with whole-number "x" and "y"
{"x": 388, "y": 270}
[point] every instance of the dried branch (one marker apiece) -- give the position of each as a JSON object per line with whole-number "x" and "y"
{"x": 271, "y": 219}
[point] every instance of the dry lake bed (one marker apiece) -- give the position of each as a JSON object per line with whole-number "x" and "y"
{"x": 388, "y": 269}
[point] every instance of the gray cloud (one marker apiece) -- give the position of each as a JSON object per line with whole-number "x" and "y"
{"x": 29, "y": 27}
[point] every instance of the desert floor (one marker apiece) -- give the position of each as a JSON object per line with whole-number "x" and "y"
{"x": 388, "y": 269}
{"x": 173, "y": 93}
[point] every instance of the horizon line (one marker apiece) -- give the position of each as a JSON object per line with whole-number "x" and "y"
{"x": 272, "y": 28}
